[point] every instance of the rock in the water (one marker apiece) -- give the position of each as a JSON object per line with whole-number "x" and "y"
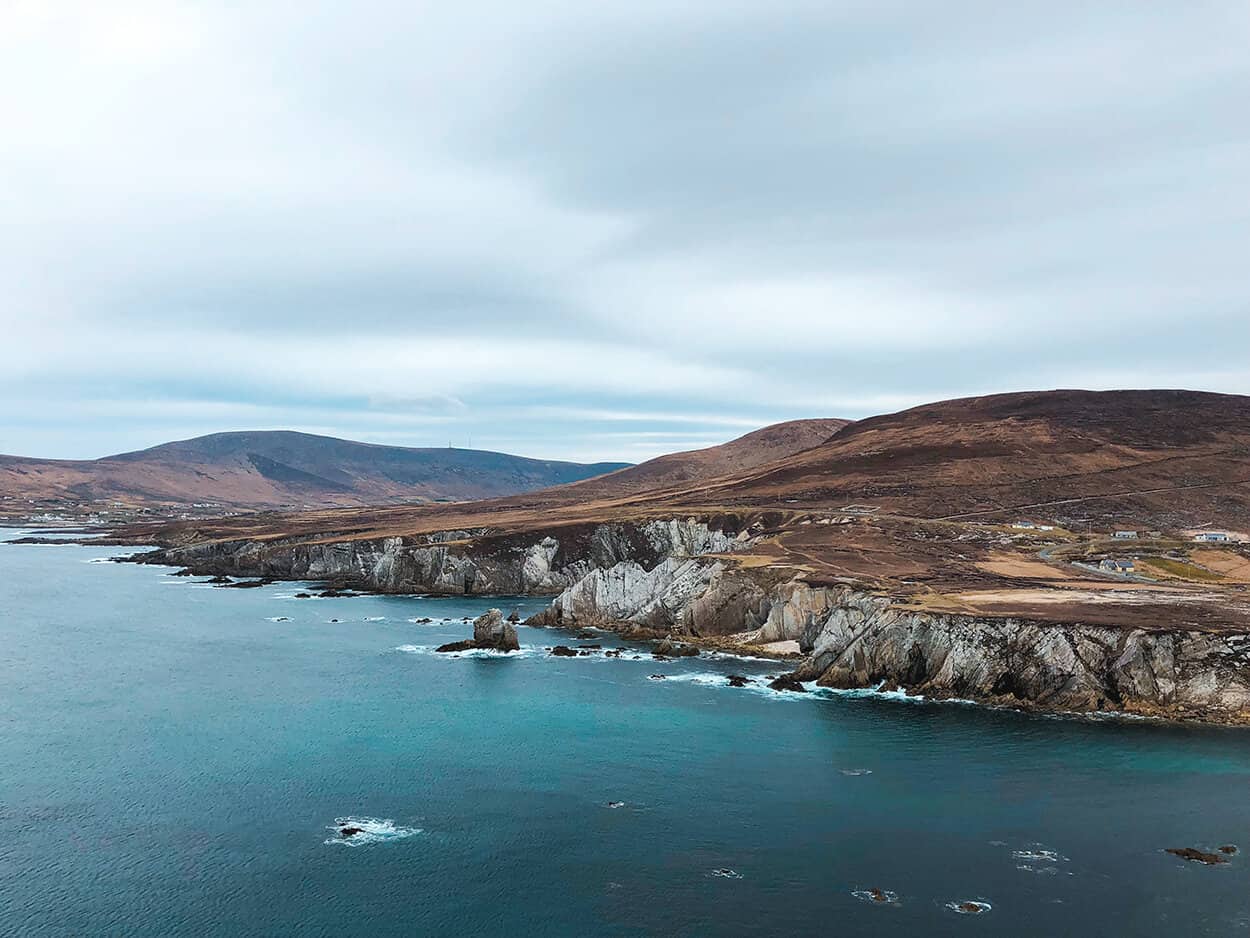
{"x": 491, "y": 631}
{"x": 657, "y": 677}
{"x": 671, "y": 649}
{"x": 350, "y": 831}
{"x": 514, "y": 616}
{"x": 563, "y": 651}
{"x": 1196, "y": 856}
{"x": 183, "y": 572}
{"x": 218, "y": 580}
{"x": 788, "y": 682}
{"x": 303, "y": 595}
{"x": 466, "y": 645}
{"x": 737, "y": 680}
{"x": 1229, "y": 849}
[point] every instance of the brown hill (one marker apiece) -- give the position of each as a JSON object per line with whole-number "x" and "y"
{"x": 279, "y": 468}
{"x": 677, "y": 471}
{"x": 1156, "y": 458}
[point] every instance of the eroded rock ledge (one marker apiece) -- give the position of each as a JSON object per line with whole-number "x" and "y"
{"x": 477, "y": 561}
{"x": 852, "y": 638}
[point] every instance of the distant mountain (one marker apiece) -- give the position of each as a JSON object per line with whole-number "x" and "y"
{"x": 282, "y": 468}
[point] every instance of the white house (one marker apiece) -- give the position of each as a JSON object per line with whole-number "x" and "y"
{"x": 1212, "y": 536}
{"x": 1117, "y": 566}
{"x": 1126, "y": 535}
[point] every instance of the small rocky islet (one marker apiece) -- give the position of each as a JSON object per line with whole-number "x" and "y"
{"x": 490, "y": 632}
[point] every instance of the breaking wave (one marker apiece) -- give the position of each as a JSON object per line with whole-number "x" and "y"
{"x": 969, "y": 906}
{"x": 366, "y": 830}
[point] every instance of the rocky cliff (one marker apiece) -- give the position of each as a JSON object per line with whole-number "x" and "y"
{"x": 474, "y": 561}
{"x": 857, "y": 639}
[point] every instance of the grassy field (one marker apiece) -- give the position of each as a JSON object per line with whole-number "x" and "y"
{"x": 1178, "y": 569}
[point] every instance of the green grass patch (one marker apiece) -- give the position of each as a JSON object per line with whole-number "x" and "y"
{"x": 1179, "y": 569}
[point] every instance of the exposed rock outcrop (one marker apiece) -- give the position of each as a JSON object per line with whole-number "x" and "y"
{"x": 854, "y": 638}
{"x": 490, "y": 631}
{"x": 470, "y": 561}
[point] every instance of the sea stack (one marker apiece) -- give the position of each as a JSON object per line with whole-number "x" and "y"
{"x": 489, "y": 631}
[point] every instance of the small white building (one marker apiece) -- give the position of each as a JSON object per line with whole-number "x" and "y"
{"x": 1117, "y": 566}
{"x": 1023, "y": 525}
{"x": 1126, "y": 535}
{"x": 1216, "y": 536}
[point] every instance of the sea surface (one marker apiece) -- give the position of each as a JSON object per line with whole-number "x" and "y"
{"x": 175, "y": 759}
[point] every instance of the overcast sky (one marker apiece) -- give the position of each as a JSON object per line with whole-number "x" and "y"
{"x": 607, "y": 230}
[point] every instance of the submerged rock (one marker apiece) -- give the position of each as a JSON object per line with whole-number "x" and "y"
{"x": 1229, "y": 849}
{"x": 657, "y": 677}
{"x": 737, "y": 680}
{"x": 350, "y": 831}
{"x": 788, "y": 682}
{"x": 969, "y": 907}
{"x": 1197, "y": 856}
{"x": 303, "y": 595}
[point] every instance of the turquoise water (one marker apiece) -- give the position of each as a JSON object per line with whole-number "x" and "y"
{"x": 172, "y": 762}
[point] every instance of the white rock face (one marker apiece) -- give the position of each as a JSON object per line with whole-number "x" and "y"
{"x": 855, "y": 639}
{"x": 463, "y": 561}
{"x": 626, "y": 592}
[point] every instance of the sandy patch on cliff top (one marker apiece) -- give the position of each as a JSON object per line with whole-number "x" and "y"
{"x": 1016, "y": 567}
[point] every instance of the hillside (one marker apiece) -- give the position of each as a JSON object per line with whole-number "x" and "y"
{"x": 1152, "y": 458}
{"x": 281, "y": 469}
{"x": 676, "y": 471}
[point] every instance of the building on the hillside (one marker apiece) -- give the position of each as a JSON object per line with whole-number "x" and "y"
{"x": 1023, "y": 525}
{"x": 1126, "y": 535}
{"x": 1219, "y": 536}
{"x": 1112, "y": 565}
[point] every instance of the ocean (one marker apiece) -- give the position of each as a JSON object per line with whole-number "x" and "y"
{"x": 177, "y": 759}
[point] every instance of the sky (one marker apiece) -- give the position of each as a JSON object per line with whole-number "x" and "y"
{"x": 607, "y": 230}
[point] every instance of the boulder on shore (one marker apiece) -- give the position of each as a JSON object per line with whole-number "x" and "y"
{"x": 670, "y": 649}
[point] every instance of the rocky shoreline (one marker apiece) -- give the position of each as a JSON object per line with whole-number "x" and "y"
{"x": 678, "y": 578}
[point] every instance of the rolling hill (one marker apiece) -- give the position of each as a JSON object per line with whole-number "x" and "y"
{"x": 282, "y": 469}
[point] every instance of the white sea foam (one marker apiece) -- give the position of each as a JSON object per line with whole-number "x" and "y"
{"x": 277, "y": 618}
{"x": 855, "y": 773}
{"x": 727, "y": 873}
{"x": 1038, "y": 854}
{"x": 876, "y": 897}
{"x": 467, "y": 653}
{"x": 375, "y": 618}
{"x": 372, "y": 831}
{"x": 977, "y": 906}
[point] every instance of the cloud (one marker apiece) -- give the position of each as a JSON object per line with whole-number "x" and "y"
{"x": 525, "y": 221}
